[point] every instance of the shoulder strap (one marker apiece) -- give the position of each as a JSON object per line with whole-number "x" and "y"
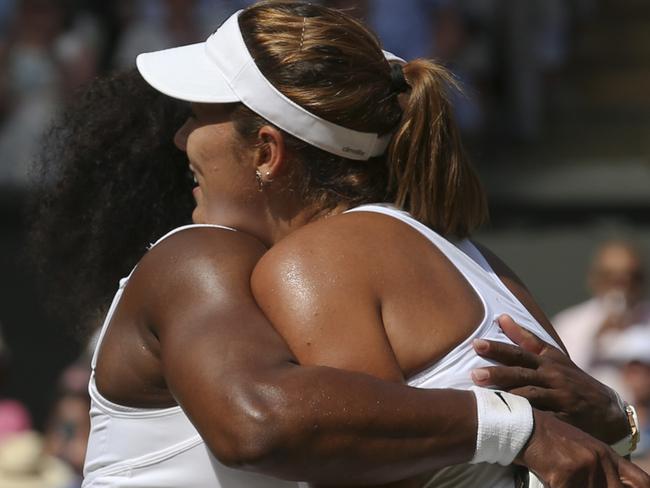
{"x": 190, "y": 226}
{"x": 124, "y": 281}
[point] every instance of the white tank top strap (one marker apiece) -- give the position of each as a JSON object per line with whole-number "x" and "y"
{"x": 102, "y": 332}
{"x": 474, "y": 267}
{"x": 468, "y": 267}
{"x": 123, "y": 282}
{"x": 189, "y": 226}
{"x": 469, "y": 248}
{"x": 460, "y": 259}
{"x": 473, "y": 252}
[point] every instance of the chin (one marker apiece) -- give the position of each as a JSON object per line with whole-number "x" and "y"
{"x": 197, "y": 217}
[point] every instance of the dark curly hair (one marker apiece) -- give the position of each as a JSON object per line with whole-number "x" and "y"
{"x": 109, "y": 182}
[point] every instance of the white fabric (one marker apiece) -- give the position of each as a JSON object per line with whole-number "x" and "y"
{"x": 222, "y": 70}
{"x": 624, "y": 446}
{"x": 153, "y": 448}
{"x": 505, "y": 423}
{"x": 453, "y": 370}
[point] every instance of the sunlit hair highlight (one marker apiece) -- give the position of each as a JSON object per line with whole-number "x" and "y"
{"x": 332, "y": 65}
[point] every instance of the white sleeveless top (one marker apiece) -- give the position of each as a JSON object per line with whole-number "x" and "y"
{"x": 453, "y": 370}
{"x": 153, "y": 447}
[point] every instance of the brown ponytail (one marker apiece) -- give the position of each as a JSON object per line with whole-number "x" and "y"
{"x": 332, "y": 65}
{"x": 428, "y": 170}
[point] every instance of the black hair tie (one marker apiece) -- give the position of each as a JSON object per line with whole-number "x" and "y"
{"x": 397, "y": 79}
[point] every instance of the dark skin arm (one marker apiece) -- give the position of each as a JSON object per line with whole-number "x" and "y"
{"x": 255, "y": 407}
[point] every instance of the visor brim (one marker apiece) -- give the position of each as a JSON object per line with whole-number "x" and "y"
{"x": 185, "y": 73}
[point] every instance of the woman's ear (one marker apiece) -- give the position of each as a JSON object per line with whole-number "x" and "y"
{"x": 271, "y": 153}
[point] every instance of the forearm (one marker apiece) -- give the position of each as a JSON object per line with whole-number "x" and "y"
{"x": 328, "y": 426}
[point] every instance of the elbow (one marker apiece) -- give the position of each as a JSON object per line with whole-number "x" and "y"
{"x": 251, "y": 443}
{"x": 260, "y": 434}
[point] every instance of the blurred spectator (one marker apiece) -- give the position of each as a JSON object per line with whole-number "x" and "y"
{"x": 590, "y": 330}
{"x": 68, "y": 425}
{"x": 66, "y": 433}
{"x": 413, "y": 36}
{"x": 14, "y": 417}
{"x": 463, "y": 42}
{"x": 505, "y": 48}
{"x": 78, "y": 50}
{"x": 501, "y": 51}
{"x": 631, "y": 351}
{"x": 534, "y": 41}
{"x": 437, "y": 29}
{"x": 41, "y": 64}
{"x": 24, "y": 464}
{"x": 31, "y": 83}
{"x": 154, "y": 25}
{"x": 6, "y": 13}
{"x": 552, "y": 42}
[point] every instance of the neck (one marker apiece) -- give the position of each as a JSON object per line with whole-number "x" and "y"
{"x": 282, "y": 227}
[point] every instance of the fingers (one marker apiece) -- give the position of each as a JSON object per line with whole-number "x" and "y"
{"x": 631, "y": 475}
{"x": 611, "y": 473}
{"x": 506, "y": 354}
{"x": 598, "y": 469}
{"x": 522, "y": 364}
{"x": 524, "y": 382}
{"x": 540, "y": 398}
{"x": 506, "y": 378}
{"x": 520, "y": 336}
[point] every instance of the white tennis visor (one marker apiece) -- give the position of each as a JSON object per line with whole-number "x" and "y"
{"x": 222, "y": 70}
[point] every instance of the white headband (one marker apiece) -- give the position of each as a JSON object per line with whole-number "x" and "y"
{"x": 222, "y": 70}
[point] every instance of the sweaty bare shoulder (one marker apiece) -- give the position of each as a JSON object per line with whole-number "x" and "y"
{"x": 215, "y": 347}
{"x": 326, "y": 243}
{"x": 318, "y": 288}
{"x": 519, "y": 290}
{"x": 195, "y": 244}
{"x": 194, "y": 271}
{"x": 354, "y": 289}
{"x": 198, "y": 260}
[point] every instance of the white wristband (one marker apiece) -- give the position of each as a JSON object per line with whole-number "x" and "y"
{"x": 505, "y": 423}
{"x": 624, "y": 447}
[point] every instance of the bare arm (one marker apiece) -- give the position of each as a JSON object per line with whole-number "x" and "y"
{"x": 258, "y": 410}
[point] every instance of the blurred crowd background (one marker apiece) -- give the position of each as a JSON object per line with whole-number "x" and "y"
{"x": 556, "y": 115}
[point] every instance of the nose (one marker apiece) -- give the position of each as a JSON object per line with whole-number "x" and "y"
{"x": 180, "y": 138}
